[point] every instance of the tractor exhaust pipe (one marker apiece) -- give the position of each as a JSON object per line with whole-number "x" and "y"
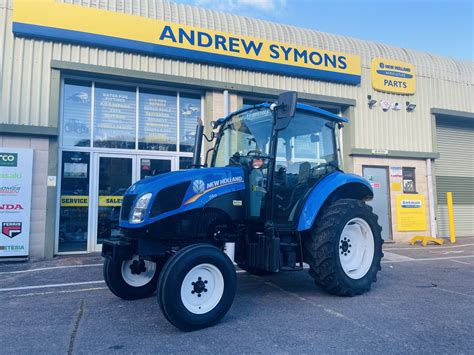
{"x": 198, "y": 143}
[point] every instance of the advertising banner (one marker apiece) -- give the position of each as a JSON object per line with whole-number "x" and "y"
{"x": 411, "y": 213}
{"x": 16, "y": 168}
{"x": 86, "y": 25}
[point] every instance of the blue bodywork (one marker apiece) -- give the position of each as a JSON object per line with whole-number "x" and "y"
{"x": 322, "y": 191}
{"x": 205, "y": 184}
{"x": 209, "y": 183}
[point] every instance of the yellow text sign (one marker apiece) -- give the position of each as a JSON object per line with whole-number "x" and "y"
{"x": 90, "y": 26}
{"x": 110, "y": 201}
{"x": 393, "y": 76}
{"x": 74, "y": 201}
{"x": 411, "y": 213}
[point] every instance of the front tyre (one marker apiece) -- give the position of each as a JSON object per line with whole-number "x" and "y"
{"x": 131, "y": 279}
{"x": 197, "y": 287}
{"x": 344, "y": 248}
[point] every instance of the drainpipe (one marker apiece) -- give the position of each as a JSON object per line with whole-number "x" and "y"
{"x": 434, "y": 230}
{"x": 226, "y": 103}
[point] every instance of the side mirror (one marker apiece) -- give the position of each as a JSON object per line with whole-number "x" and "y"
{"x": 286, "y": 109}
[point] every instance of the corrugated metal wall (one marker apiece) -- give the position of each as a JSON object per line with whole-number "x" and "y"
{"x": 441, "y": 83}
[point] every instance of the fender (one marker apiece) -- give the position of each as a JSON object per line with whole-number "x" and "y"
{"x": 358, "y": 187}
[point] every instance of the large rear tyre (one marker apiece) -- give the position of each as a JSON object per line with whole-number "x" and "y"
{"x": 344, "y": 248}
{"x": 197, "y": 287}
{"x": 131, "y": 279}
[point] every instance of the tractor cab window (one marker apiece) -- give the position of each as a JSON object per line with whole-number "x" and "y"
{"x": 244, "y": 135}
{"x": 306, "y": 152}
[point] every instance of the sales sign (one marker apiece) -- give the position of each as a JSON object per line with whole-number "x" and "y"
{"x": 90, "y": 26}
{"x": 411, "y": 213}
{"x": 393, "y": 76}
{"x": 16, "y": 166}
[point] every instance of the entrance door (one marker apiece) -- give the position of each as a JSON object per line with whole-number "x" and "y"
{"x": 115, "y": 174}
{"x": 378, "y": 178}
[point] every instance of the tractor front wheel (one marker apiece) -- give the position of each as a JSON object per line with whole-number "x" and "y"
{"x": 197, "y": 287}
{"x": 131, "y": 279}
{"x": 344, "y": 248}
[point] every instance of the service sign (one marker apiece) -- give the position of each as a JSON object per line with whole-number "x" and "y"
{"x": 16, "y": 167}
{"x": 393, "y": 76}
{"x": 411, "y": 213}
{"x": 90, "y": 26}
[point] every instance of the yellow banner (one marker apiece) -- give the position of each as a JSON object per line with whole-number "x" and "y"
{"x": 110, "y": 201}
{"x": 411, "y": 213}
{"x": 74, "y": 201}
{"x": 393, "y": 76}
{"x": 92, "y": 26}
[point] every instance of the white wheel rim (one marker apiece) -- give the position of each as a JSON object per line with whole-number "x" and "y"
{"x": 202, "y": 288}
{"x": 356, "y": 248}
{"x": 138, "y": 279}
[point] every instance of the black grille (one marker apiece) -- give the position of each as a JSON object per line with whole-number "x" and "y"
{"x": 127, "y": 203}
{"x": 169, "y": 199}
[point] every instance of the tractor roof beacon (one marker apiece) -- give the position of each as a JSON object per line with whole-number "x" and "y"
{"x": 271, "y": 197}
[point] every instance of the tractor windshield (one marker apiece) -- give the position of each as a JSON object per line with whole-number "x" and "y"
{"x": 307, "y": 139}
{"x": 248, "y": 132}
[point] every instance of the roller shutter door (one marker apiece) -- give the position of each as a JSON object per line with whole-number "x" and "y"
{"x": 455, "y": 173}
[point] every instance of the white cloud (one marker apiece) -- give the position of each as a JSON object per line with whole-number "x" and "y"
{"x": 275, "y": 6}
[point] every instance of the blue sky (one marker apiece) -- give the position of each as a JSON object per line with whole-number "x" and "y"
{"x": 443, "y": 27}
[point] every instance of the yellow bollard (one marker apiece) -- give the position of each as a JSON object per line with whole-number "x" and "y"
{"x": 452, "y": 235}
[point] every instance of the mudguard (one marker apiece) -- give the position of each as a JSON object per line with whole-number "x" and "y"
{"x": 204, "y": 186}
{"x": 325, "y": 189}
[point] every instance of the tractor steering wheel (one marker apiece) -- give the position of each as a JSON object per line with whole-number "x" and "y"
{"x": 254, "y": 153}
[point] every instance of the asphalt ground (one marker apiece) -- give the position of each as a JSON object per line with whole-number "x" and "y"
{"x": 423, "y": 302}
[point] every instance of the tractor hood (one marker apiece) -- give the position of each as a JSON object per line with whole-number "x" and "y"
{"x": 180, "y": 191}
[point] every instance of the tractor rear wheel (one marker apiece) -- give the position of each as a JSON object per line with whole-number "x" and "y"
{"x": 344, "y": 248}
{"x": 197, "y": 287}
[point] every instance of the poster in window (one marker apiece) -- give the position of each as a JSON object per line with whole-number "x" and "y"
{"x": 158, "y": 121}
{"x": 75, "y": 170}
{"x": 76, "y": 119}
{"x": 189, "y": 112}
{"x": 114, "y": 120}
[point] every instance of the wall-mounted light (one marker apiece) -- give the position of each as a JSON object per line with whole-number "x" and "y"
{"x": 371, "y": 102}
{"x": 410, "y": 106}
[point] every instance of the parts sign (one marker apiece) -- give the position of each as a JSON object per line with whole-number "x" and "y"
{"x": 15, "y": 201}
{"x": 393, "y": 76}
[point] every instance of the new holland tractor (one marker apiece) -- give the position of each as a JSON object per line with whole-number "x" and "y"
{"x": 269, "y": 197}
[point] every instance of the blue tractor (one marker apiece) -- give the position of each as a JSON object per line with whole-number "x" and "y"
{"x": 271, "y": 198}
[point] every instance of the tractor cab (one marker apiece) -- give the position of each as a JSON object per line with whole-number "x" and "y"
{"x": 306, "y": 151}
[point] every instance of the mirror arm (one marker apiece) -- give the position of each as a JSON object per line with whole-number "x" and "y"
{"x": 209, "y": 139}
{"x": 207, "y": 155}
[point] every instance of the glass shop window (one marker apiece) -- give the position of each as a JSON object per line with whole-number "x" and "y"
{"x": 185, "y": 163}
{"x": 114, "y": 116}
{"x": 409, "y": 183}
{"x": 74, "y": 202}
{"x": 189, "y": 112}
{"x": 157, "y": 121}
{"x": 76, "y": 124}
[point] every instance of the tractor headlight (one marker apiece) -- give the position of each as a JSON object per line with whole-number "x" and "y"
{"x": 139, "y": 210}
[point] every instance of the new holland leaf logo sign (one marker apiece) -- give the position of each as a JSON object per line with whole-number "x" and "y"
{"x": 101, "y": 28}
